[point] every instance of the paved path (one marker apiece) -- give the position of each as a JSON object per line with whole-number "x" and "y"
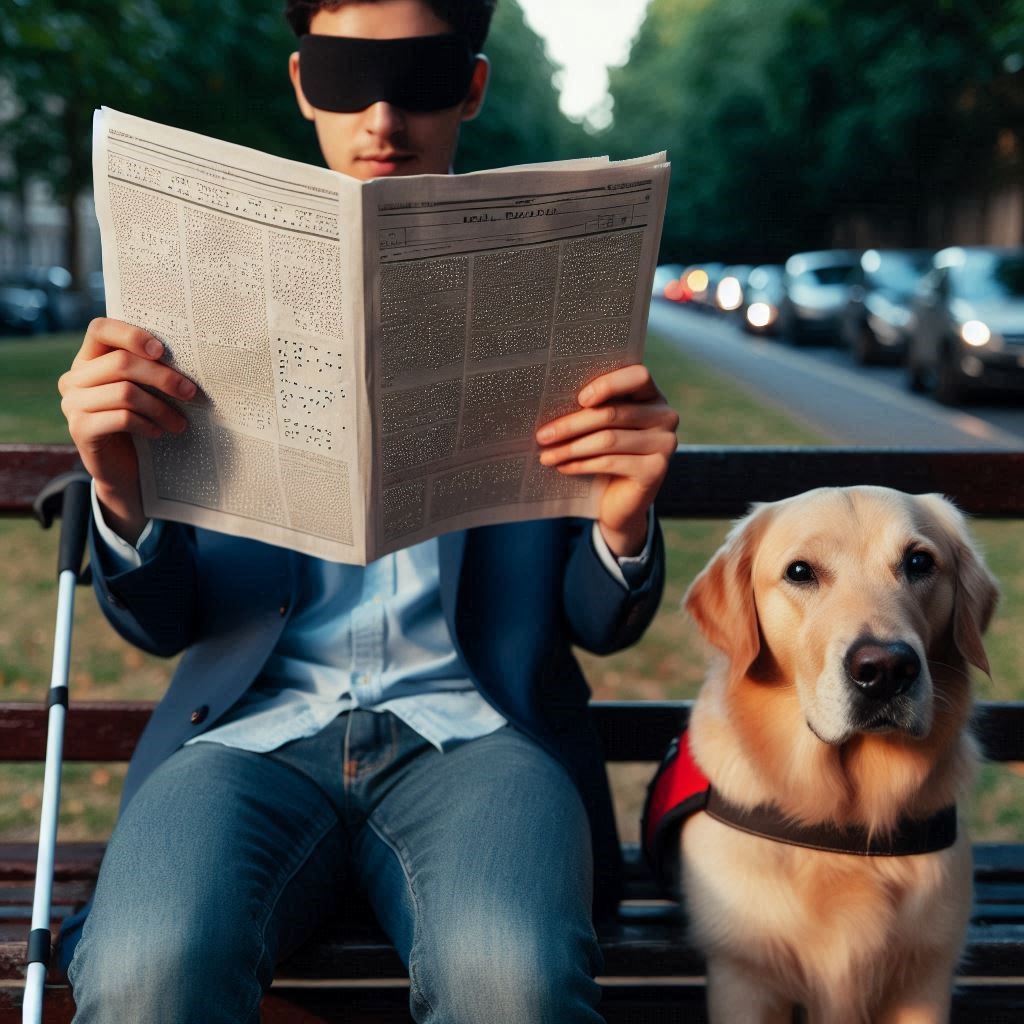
{"x": 846, "y": 405}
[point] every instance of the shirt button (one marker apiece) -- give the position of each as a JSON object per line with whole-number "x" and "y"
{"x": 377, "y": 599}
{"x": 199, "y": 715}
{"x": 364, "y": 680}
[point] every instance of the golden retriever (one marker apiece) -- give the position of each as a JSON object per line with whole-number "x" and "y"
{"x": 848, "y": 618}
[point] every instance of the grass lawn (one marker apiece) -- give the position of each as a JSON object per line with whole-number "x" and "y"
{"x": 668, "y": 662}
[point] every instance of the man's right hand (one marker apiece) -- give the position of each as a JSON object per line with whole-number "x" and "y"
{"x": 104, "y": 403}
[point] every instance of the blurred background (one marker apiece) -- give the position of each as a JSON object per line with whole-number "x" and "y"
{"x": 842, "y": 260}
{"x": 791, "y": 124}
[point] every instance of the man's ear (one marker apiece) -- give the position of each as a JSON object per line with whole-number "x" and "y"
{"x": 477, "y": 88}
{"x": 308, "y": 111}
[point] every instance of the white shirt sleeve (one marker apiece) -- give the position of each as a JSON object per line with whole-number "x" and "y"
{"x": 124, "y": 556}
{"x": 631, "y": 569}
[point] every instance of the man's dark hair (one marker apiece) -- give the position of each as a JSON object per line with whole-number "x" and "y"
{"x": 468, "y": 18}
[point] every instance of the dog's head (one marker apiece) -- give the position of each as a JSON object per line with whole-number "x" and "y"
{"x": 869, "y": 601}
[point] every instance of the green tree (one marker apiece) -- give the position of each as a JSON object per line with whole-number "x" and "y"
{"x": 57, "y": 64}
{"x": 221, "y": 71}
{"x": 521, "y": 121}
{"x": 782, "y": 118}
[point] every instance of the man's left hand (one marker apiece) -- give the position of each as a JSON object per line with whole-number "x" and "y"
{"x": 626, "y": 431}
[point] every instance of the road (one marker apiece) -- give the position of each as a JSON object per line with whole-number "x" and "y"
{"x": 823, "y": 387}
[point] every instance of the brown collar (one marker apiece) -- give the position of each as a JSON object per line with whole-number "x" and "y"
{"x": 909, "y": 837}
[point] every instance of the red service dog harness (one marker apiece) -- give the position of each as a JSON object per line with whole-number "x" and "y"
{"x": 680, "y": 789}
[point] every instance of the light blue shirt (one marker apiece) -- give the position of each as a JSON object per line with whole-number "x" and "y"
{"x": 372, "y": 637}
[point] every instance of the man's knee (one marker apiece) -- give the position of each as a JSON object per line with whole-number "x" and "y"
{"x": 507, "y": 972}
{"x": 168, "y": 972}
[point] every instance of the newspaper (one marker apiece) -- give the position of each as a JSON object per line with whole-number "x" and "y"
{"x": 372, "y": 358}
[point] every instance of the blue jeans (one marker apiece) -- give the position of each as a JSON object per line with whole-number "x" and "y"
{"x": 476, "y": 861}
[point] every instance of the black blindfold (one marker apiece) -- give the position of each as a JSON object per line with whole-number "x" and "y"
{"x": 419, "y": 73}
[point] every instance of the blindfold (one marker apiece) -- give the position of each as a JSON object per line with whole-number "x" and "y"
{"x": 419, "y": 73}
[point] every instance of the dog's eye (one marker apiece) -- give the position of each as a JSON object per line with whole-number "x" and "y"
{"x": 917, "y": 564}
{"x": 800, "y": 572}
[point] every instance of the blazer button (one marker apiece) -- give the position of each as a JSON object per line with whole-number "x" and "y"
{"x": 283, "y": 610}
{"x": 199, "y": 715}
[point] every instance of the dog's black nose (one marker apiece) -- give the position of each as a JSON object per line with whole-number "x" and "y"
{"x": 882, "y": 670}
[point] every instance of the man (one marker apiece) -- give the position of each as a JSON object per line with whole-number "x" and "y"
{"x": 416, "y": 729}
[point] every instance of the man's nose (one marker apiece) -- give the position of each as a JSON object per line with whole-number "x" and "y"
{"x": 383, "y": 118}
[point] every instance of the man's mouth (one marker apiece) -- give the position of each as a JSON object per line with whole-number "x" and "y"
{"x": 386, "y": 163}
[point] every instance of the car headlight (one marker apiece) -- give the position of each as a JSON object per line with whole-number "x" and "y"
{"x": 697, "y": 281}
{"x": 761, "y": 314}
{"x": 729, "y": 294}
{"x": 975, "y": 333}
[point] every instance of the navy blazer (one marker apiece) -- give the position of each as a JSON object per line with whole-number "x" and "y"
{"x": 516, "y": 598}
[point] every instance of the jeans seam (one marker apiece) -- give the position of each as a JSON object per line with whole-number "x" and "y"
{"x": 300, "y": 862}
{"x": 367, "y": 768}
{"x": 398, "y": 849}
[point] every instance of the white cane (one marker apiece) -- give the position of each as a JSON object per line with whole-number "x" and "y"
{"x": 67, "y": 494}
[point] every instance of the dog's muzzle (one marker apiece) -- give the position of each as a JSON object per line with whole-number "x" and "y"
{"x": 880, "y": 671}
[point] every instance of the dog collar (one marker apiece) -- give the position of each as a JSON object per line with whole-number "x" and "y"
{"x": 679, "y": 789}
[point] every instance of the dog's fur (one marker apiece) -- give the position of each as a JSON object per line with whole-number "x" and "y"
{"x": 851, "y": 938}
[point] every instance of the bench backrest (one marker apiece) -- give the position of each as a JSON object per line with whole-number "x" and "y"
{"x": 704, "y": 482}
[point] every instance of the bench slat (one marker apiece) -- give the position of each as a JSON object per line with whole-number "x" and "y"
{"x": 721, "y": 482}
{"x": 630, "y": 730}
{"x": 26, "y": 468}
{"x": 647, "y": 938}
{"x": 706, "y": 482}
{"x": 630, "y": 949}
{"x": 675, "y": 1002}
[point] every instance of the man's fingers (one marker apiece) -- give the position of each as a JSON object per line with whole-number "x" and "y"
{"x": 97, "y": 428}
{"x": 105, "y": 333}
{"x": 611, "y": 442}
{"x": 620, "y": 415}
{"x": 121, "y": 365}
{"x": 128, "y": 396}
{"x": 645, "y": 471}
{"x": 634, "y": 382}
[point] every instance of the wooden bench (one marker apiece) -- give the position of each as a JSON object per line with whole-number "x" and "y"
{"x": 651, "y": 974}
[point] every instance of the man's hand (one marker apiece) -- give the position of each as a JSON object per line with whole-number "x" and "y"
{"x": 104, "y": 402}
{"x": 625, "y": 430}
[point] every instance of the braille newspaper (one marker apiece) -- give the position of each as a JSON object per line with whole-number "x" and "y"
{"x": 373, "y": 358}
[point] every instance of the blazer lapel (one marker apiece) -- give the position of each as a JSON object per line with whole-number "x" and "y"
{"x": 451, "y": 551}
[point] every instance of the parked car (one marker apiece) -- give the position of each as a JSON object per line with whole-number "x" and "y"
{"x": 762, "y": 299}
{"x": 967, "y": 332}
{"x": 60, "y": 308}
{"x": 700, "y": 281}
{"x": 665, "y": 275}
{"x": 94, "y": 300}
{"x": 874, "y": 325}
{"x": 22, "y": 309}
{"x": 816, "y": 290}
{"x": 730, "y": 290}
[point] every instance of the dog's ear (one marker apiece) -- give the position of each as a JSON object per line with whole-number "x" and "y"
{"x": 977, "y": 592}
{"x": 721, "y": 598}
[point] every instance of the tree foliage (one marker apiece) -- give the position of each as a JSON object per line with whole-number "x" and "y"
{"x": 520, "y": 121}
{"x": 783, "y": 116}
{"x": 219, "y": 69}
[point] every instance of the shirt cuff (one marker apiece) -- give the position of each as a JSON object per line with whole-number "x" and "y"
{"x": 630, "y": 570}
{"x": 123, "y": 556}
